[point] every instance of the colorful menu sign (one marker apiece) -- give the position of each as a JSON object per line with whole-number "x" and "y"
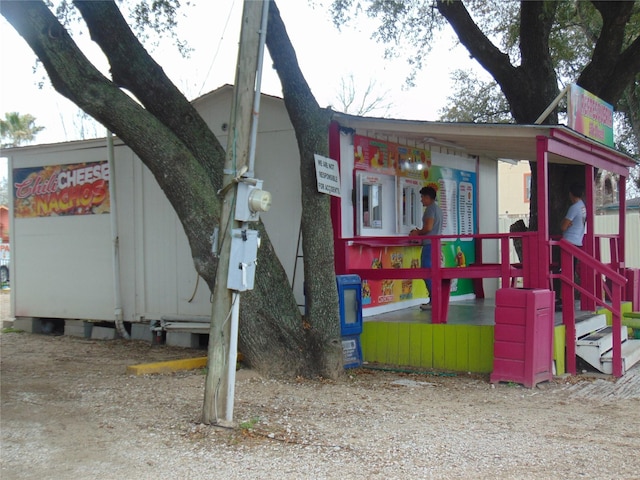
{"x": 57, "y": 190}
{"x": 590, "y": 115}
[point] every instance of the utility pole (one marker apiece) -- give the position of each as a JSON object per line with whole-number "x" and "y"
{"x": 218, "y": 394}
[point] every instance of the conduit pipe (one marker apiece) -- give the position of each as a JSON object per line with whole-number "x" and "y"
{"x": 115, "y": 240}
{"x": 256, "y": 94}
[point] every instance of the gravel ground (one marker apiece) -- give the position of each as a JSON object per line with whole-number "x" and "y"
{"x": 69, "y": 411}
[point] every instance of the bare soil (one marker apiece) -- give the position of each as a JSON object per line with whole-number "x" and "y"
{"x": 69, "y": 411}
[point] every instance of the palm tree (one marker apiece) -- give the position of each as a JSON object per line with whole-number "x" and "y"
{"x": 17, "y": 129}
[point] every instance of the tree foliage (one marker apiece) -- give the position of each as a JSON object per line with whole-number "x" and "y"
{"x": 475, "y": 101}
{"x": 4, "y": 191}
{"x": 17, "y": 129}
{"x": 185, "y": 157}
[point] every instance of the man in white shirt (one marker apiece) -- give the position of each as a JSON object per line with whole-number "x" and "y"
{"x": 573, "y": 229}
{"x": 573, "y": 223}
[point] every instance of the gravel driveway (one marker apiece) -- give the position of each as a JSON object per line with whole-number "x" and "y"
{"x": 69, "y": 411}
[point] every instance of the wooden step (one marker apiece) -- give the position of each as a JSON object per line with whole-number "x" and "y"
{"x": 593, "y": 346}
{"x": 630, "y": 356}
{"x": 601, "y": 338}
{"x": 589, "y": 322}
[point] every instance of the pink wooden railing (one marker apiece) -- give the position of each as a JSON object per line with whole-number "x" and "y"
{"x": 589, "y": 268}
{"x": 441, "y": 276}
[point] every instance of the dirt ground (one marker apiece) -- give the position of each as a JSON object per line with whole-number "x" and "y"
{"x": 69, "y": 411}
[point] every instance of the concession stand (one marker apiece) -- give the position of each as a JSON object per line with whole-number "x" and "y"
{"x": 64, "y": 225}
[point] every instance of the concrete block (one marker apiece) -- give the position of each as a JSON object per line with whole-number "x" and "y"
{"x": 103, "y": 333}
{"x": 183, "y": 339}
{"x": 74, "y": 331}
{"x": 28, "y": 324}
{"x": 141, "y": 331}
{"x": 74, "y": 328}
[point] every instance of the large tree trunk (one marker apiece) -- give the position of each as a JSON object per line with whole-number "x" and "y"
{"x": 311, "y": 124}
{"x": 173, "y": 141}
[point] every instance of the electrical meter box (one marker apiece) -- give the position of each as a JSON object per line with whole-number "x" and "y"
{"x": 251, "y": 200}
{"x": 242, "y": 259}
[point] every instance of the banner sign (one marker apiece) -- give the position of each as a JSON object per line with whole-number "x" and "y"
{"x": 590, "y": 116}
{"x": 57, "y": 190}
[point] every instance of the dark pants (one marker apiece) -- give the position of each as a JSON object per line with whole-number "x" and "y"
{"x": 425, "y": 262}
{"x": 557, "y": 284}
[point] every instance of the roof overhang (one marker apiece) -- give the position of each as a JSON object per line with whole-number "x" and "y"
{"x": 495, "y": 141}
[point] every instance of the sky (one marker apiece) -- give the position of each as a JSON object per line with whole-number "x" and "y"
{"x": 212, "y": 29}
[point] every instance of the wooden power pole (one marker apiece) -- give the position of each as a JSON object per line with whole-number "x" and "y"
{"x": 217, "y": 385}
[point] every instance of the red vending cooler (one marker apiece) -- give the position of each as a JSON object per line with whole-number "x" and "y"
{"x": 523, "y": 336}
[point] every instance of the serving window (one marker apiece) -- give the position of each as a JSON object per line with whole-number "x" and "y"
{"x": 410, "y": 209}
{"x": 375, "y": 202}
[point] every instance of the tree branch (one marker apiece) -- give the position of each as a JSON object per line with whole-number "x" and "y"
{"x": 479, "y": 46}
{"x": 612, "y": 68}
{"x": 536, "y": 69}
{"x": 134, "y": 69}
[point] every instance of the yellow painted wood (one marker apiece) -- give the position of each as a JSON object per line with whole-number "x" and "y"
{"x": 486, "y": 337}
{"x": 426, "y": 336}
{"x": 439, "y": 347}
{"x": 415, "y": 344}
{"x": 462, "y": 348}
{"x": 368, "y": 342}
{"x": 167, "y": 367}
{"x": 392, "y": 343}
{"x": 451, "y": 347}
{"x": 625, "y": 308}
{"x": 474, "y": 345}
{"x": 404, "y": 343}
{"x": 446, "y": 347}
{"x": 559, "y": 336}
{"x": 382, "y": 346}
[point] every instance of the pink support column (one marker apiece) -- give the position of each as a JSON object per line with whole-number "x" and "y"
{"x": 340, "y": 260}
{"x": 587, "y": 279}
{"x": 622, "y": 228}
{"x": 544, "y": 257}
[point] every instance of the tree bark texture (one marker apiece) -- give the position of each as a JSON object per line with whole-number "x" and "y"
{"x": 311, "y": 124}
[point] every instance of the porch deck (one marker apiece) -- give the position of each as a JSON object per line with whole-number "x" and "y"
{"x": 480, "y": 311}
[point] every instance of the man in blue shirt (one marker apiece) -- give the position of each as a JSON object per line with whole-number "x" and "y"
{"x": 431, "y": 225}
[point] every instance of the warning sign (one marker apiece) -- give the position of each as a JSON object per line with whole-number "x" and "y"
{"x": 327, "y": 175}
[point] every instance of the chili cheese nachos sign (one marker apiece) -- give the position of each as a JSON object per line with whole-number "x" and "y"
{"x": 57, "y": 190}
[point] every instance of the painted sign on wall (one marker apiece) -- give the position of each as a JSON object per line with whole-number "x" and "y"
{"x": 590, "y": 115}
{"x": 58, "y": 190}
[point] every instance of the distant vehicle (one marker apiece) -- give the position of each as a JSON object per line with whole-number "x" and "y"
{"x": 5, "y": 256}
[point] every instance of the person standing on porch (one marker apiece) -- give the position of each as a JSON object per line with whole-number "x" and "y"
{"x": 573, "y": 229}
{"x": 431, "y": 225}
{"x": 573, "y": 223}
